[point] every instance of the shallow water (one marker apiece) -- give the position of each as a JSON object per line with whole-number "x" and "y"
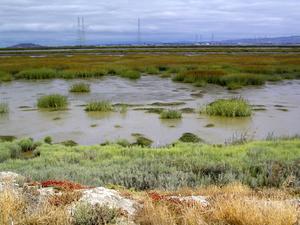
{"x": 92, "y": 128}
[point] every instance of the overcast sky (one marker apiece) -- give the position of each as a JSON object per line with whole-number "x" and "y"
{"x": 115, "y": 21}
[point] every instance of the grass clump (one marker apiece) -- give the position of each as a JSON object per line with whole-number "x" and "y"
{"x": 53, "y": 101}
{"x": 131, "y": 74}
{"x": 5, "y": 76}
{"x": 8, "y": 138}
{"x": 48, "y": 140}
{"x": 234, "y": 107}
{"x": 99, "y": 106}
{"x": 4, "y": 108}
{"x": 80, "y": 87}
{"x": 190, "y": 138}
{"x": 171, "y": 114}
{"x": 201, "y": 77}
{"x": 143, "y": 141}
{"x": 69, "y": 143}
{"x": 87, "y": 214}
{"x": 35, "y": 74}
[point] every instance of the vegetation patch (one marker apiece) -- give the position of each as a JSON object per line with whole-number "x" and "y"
{"x": 62, "y": 185}
{"x": 234, "y": 107}
{"x": 99, "y": 106}
{"x": 167, "y": 103}
{"x": 190, "y": 138}
{"x": 171, "y": 114}
{"x": 130, "y": 74}
{"x": 87, "y": 214}
{"x": 150, "y": 110}
{"x": 69, "y": 143}
{"x": 53, "y": 101}
{"x": 143, "y": 141}
{"x": 35, "y": 74}
{"x": 4, "y": 107}
{"x": 80, "y": 88}
{"x": 48, "y": 140}
{"x": 8, "y": 138}
{"x": 5, "y": 77}
{"x": 258, "y": 164}
{"x": 187, "y": 110}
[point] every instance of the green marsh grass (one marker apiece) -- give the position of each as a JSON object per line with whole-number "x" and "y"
{"x": 35, "y": 74}
{"x": 171, "y": 114}
{"x": 53, "y": 101}
{"x": 130, "y": 74}
{"x": 4, "y": 107}
{"x": 232, "y": 71}
{"x": 234, "y": 107}
{"x": 4, "y": 76}
{"x": 80, "y": 88}
{"x": 99, "y": 106}
{"x": 258, "y": 164}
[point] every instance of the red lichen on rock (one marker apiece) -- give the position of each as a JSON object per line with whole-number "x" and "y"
{"x": 64, "y": 185}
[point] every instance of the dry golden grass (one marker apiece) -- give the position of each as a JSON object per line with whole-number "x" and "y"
{"x": 156, "y": 214}
{"x": 234, "y": 204}
{"x": 242, "y": 211}
{"x": 15, "y": 210}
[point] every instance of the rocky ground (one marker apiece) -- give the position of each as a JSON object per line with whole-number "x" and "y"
{"x": 125, "y": 207}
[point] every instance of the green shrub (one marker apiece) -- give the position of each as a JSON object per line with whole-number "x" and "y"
{"x": 8, "y": 138}
{"x": 123, "y": 143}
{"x": 15, "y": 151}
{"x": 143, "y": 141}
{"x": 80, "y": 87}
{"x": 234, "y": 86}
{"x": 69, "y": 143}
{"x": 41, "y": 73}
{"x": 27, "y": 145}
{"x": 48, "y": 140}
{"x": 170, "y": 114}
{"x": 87, "y": 214}
{"x": 190, "y": 138}
{"x": 99, "y": 106}
{"x": 53, "y": 101}
{"x": 4, "y": 108}
{"x": 5, "y": 76}
{"x": 151, "y": 70}
{"x": 234, "y": 107}
{"x": 162, "y": 68}
{"x": 131, "y": 74}
{"x": 194, "y": 76}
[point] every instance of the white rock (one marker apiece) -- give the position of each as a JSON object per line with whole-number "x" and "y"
{"x": 9, "y": 180}
{"x": 111, "y": 198}
{"x": 9, "y": 177}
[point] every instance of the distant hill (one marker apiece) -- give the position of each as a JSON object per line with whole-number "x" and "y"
{"x": 26, "y": 45}
{"x": 290, "y": 40}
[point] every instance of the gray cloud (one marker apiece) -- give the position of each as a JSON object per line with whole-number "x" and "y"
{"x": 113, "y": 21}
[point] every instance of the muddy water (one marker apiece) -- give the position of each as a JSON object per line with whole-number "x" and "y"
{"x": 280, "y": 101}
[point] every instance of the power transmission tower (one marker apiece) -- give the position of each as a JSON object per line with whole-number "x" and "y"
{"x": 212, "y": 38}
{"x": 81, "y": 31}
{"x": 139, "y": 31}
{"x": 78, "y": 31}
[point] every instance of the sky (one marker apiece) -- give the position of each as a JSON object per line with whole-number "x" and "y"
{"x": 115, "y": 21}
